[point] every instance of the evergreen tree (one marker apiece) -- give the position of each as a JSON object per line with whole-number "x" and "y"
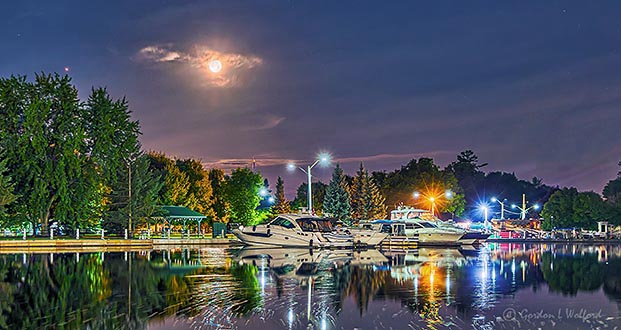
{"x": 282, "y": 205}
{"x": 367, "y": 201}
{"x": 336, "y": 203}
{"x": 376, "y": 202}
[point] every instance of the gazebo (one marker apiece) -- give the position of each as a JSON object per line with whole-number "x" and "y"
{"x": 182, "y": 213}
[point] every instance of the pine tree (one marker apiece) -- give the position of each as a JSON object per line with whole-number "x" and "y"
{"x": 358, "y": 193}
{"x": 336, "y": 202}
{"x": 282, "y": 205}
{"x": 367, "y": 201}
{"x": 376, "y": 202}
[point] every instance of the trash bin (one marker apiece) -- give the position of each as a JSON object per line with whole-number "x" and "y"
{"x": 218, "y": 230}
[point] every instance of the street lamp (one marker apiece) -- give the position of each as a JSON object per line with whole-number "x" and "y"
{"x": 322, "y": 159}
{"x": 502, "y": 206}
{"x": 485, "y": 209}
{"x": 524, "y": 209}
{"x": 448, "y": 194}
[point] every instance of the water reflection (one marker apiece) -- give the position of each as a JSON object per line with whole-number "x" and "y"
{"x": 215, "y": 288}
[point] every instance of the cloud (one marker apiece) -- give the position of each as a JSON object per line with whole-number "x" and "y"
{"x": 233, "y": 64}
{"x": 269, "y": 122}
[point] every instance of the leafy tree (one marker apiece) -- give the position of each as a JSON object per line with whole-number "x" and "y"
{"x": 145, "y": 188}
{"x": 6, "y": 190}
{"x": 200, "y": 192}
{"x": 242, "y": 194}
{"x": 176, "y": 185}
{"x": 61, "y": 153}
{"x": 221, "y": 207}
{"x": 569, "y": 208}
{"x": 612, "y": 191}
{"x": 301, "y": 196}
{"x": 282, "y": 205}
{"x": 336, "y": 202}
{"x": 426, "y": 177}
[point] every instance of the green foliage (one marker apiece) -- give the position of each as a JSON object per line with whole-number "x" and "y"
{"x": 336, "y": 202}
{"x": 568, "y": 208}
{"x": 242, "y": 194}
{"x": 424, "y": 176}
{"x": 367, "y": 201}
{"x": 61, "y": 152}
{"x": 145, "y": 189}
{"x": 6, "y": 191}
{"x": 200, "y": 192}
{"x": 221, "y": 208}
{"x": 282, "y": 205}
{"x": 301, "y": 196}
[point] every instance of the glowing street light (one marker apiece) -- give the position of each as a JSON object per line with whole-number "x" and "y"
{"x": 323, "y": 159}
{"x": 433, "y": 199}
{"x": 271, "y": 200}
{"x": 524, "y": 209}
{"x": 485, "y": 209}
{"x": 502, "y": 206}
{"x": 263, "y": 192}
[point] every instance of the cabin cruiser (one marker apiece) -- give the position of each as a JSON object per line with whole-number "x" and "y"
{"x": 364, "y": 237}
{"x": 295, "y": 230}
{"x": 411, "y": 214}
{"x": 414, "y": 231}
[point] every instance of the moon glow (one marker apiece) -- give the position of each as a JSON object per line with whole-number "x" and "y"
{"x": 215, "y": 66}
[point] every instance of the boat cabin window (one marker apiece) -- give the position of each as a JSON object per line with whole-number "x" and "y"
{"x": 413, "y": 226}
{"x": 428, "y": 225}
{"x": 316, "y": 225}
{"x": 283, "y": 223}
{"x": 386, "y": 229}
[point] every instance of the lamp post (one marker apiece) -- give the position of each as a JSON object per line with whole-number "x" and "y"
{"x": 323, "y": 159}
{"x": 524, "y": 209}
{"x": 433, "y": 198}
{"x": 502, "y": 206}
{"x": 485, "y": 210}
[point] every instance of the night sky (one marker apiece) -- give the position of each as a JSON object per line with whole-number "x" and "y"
{"x": 533, "y": 87}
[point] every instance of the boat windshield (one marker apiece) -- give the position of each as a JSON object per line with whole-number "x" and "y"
{"x": 317, "y": 225}
{"x": 428, "y": 224}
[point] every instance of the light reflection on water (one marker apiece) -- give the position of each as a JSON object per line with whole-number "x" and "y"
{"x": 498, "y": 286}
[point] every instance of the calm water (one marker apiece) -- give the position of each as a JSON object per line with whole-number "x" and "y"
{"x": 495, "y": 287}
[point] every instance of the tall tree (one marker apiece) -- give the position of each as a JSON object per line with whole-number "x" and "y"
{"x": 200, "y": 192}
{"x": 301, "y": 199}
{"x": 569, "y": 208}
{"x": 242, "y": 194}
{"x": 367, "y": 201}
{"x": 7, "y": 188}
{"x": 336, "y": 203}
{"x": 282, "y": 205}
{"x": 144, "y": 200}
{"x": 221, "y": 207}
{"x": 424, "y": 176}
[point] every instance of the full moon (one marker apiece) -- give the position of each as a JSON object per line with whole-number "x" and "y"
{"x": 215, "y": 66}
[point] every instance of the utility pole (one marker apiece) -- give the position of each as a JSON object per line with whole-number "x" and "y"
{"x": 129, "y": 203}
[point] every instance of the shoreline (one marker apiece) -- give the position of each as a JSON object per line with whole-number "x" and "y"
{"x": 106, "y": 245}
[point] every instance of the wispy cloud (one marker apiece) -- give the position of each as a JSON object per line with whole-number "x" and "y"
{"x": 233, "y": 64}
{"x": 270, "y": 121}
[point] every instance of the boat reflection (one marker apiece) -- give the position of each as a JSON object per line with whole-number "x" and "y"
{"x": 215, "y": 288}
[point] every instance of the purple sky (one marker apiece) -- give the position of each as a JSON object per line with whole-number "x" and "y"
{"x": 532, "y": 87}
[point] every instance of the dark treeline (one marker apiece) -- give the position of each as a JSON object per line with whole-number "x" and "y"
{"x": 80, "y": 164}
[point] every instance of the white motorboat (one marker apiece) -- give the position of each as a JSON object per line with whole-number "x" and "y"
{"x": 295, "y": 230}
{"x": 404, "y": 213}
{"x": 415, "y": 231}
{"x": 364, "y": 237}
